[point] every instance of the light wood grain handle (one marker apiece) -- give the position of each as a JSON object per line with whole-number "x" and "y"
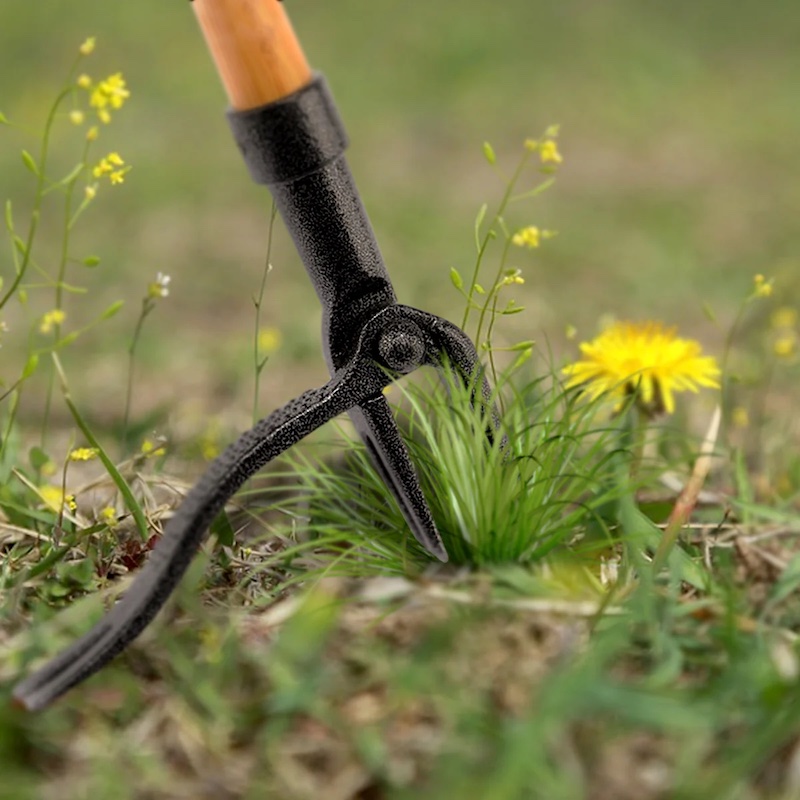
{"x": 255, "y": 49}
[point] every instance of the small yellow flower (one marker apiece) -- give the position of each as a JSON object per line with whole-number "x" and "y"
{"x": 108, "y": 515}
{"x": 104, "y": 116}
{"x": 55, "y": 499}
{"x": 83, "y": 454}
{"x": 548, "y": 152}
{"x": 92, "y": 133}
{"x": 761, "y": 286}
{"x": 51, "y": 319}
{"x": 159, "y": 287}
{"x": 527, "y": 237}
{"x": 784, "y": 317}
{"x": 88, "y": 46}
{"x": 76, "y": 117}
{"x": 90, "y": 192}
{"x": 110, "y": 165}
{"x": 269, "y": 340}
{"x": 785, "y": 345}
{"x": 642, "y": 357}
{"x": 151, "y": 449}
{"x": 84, "y": 81}
{"x": 739, "y": 417}
{"x": 512, "y": 276}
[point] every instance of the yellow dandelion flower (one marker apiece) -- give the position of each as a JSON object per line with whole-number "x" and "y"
{"x": 527, "y": 237}
{"x": 548, "y": 152}
{"x": 76, "y": 117}
{"x": 645, "y": 358}
{"x": 761, "y": 286}
{"x": 784, "y": 317}
{"x": 84, "y": 81}
{"x": 87, "y": 48}
{"x": 269, "y": 340}
{"x": 83, "y": 454}
{"x": 785, "y": 345}
{"x": 51, "y": 319}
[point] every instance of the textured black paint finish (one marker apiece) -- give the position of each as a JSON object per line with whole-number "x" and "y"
{"x": 296, "y": 146}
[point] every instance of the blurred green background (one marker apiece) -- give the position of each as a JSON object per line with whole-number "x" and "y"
{"x": 680, "y": 130}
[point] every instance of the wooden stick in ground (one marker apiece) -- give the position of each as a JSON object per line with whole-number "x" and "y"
{"x": 257, "y": 54}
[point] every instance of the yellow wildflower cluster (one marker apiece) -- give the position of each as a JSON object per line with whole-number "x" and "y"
{"x": 645, "y": 359}
{"x": 83, "y": 454}
{"x": 55, "y": 499}
{"x": 512, "y": 276}
{"x": 87, "y": 48}
{"x": 547, "y": 146}
{"x": 151, "y": 449}
{"x": 112, "y": 165}
{"x": 761, "y": 286}
{"x": 110, "y": 94}
{"x": 527, "y": 237}
{"x": 108, "y": 515}
{"x": 784, "y": 324}
{"x": 51, "y": 319}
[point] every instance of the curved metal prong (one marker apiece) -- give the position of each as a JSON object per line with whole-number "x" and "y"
{"x": 186, "y": 529}
{"x": 376, "y": 426}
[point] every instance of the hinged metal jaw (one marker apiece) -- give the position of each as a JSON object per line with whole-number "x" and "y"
{"x": 296, "y": 146}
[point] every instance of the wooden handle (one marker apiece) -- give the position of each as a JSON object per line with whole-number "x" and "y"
{"x": 255, "y": 49}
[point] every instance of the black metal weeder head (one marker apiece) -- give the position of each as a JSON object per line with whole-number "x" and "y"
{"x": 296, "y": 146}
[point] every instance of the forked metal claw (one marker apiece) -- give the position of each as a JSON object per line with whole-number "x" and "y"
{"x": 294, "y": 142}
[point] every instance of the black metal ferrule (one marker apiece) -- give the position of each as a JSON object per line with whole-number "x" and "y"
{"x": 296, "y": 146}
{"x": 291, "y": 137}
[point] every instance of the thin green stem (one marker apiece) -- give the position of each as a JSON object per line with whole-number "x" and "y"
{"x": 148, "y": 304}
{"x": 490, "y": 233}
{"x": 258, "y": 362}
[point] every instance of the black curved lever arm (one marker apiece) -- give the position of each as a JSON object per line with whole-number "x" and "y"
{"x": 187, "y": 528}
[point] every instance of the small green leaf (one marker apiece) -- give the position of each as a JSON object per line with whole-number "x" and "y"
{"x": 91, "y": 261}
{"x": 38, "y": 458}
{"x": 112, "y": 309}
{"x": 20, "y": 245}
{"x": 789, "y": 581}
{"x": 488, "y": 152}
{"x": 479, "y": 289}
{"x": 522, "y": 345}
{"x": 30, "y": 366}
{"x": 4, "y": 119}
{"x": 455, "y": 278}
{"x": 512, "y": 310}
{"x": 521, "y": 358}
{"x": 221, "y": 528}
{"x": 9, "y": 217}
{"x": 30, "y": 163}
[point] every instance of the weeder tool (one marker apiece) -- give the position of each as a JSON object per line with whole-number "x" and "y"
{"x": 285, "y": 122}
